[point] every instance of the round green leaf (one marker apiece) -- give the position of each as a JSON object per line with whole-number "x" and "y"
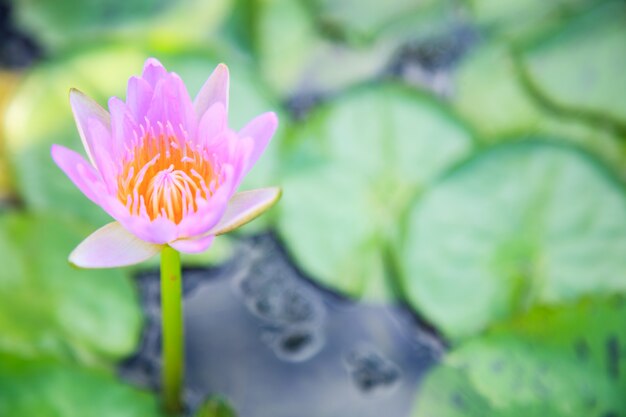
{"x": 350, "y": 175}
{"x": 560, "y": 361}
{"x": 519, "y": 224}
{"x": 304, "y": 61}
{"x": 44, "y": 388}
{"x": 215, "y": 407}
{"x": 580, "y": 67}
{"x": 491, "y": 95}
{"x": 40, "y": 115}
{"x": 366, "y": 18}
{"x": 48, "y": 308}
{"x": 62, "y": 22}
{"x": 523, "y": 18}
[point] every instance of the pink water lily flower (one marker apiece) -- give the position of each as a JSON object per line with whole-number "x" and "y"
{"x": 164, "y": 167}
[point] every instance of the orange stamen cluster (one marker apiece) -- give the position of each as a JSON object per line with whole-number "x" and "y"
{"x": 162, "y": 175}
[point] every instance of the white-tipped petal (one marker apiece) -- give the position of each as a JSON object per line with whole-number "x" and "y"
{"x": 214, "y": 90}
{"x": 112, "y": 246}
{"x": 193, "y": 245}
{"x": 244, "y": 207}
{"x": 84, "y": 109}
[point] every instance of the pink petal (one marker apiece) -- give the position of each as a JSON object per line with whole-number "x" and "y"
{"x": 193, "y": 245}
{"x": 209, "y": 211}
{"x": 84, "y": 109}
{"x": 212, "y": 124}
{"x": 124, "y": 127}
{"x": 158, "y": 231}
{"x": 214, "y": 90}
{"x": 153, "y": 71}
{"x": 260, "y": 129}
{"x": 138, "y": 97}
{"x": 103, "y": 159}
{"x": 244, "y": 207}
{"x": 171, "y": 105}
{"x": 82, "y": 174}
{"x": 112, "y": 246}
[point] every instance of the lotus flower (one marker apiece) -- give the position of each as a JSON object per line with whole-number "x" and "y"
{"x": 164, "y": 167}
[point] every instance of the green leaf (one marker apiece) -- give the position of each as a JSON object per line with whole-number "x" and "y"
{"x": 491, "y": 95}
{"x": 295, "y": 58}
{"x": 40, "y": 115}
{"x": 350, "y": 175}
{"x": 60, "y": 23}
{"x": 215, "y": 407}
{"x": 48, "y": 389}
{"x": 8, "y": 80}
{"x": 519, "y": 224}
{"x": 366, "y": 19}
{"x": 524, "y": 19}
{"x": 50, "y": 309}
{"x": 580, "y": 67}
{"x": 559, "y": 361}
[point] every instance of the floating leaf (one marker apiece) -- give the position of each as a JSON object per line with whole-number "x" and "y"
{"x": 45, "y": 388}
{"x": 366, "y": 19}
{"x": 560, "y": 361}
{"x": 520, "y": 224}
{"x": 353, "y": 169}
{"x": 490, "y": 94}
{"x": 48, "y": 308}
{"x": 62, "y": 22}
{"x": 524, "y": 18}
{"x": 8, "y": 80}
{"x": 215, "y": 407}
{"x": 580, "y": 67}
{"x": 304, "y": 61}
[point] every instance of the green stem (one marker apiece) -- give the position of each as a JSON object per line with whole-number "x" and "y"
{"x": 172, "y": 320}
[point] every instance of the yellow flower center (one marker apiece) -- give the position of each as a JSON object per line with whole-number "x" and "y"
{"x": 163, "y": 176}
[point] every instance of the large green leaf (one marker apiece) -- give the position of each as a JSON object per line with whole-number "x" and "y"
{"x": 580, "y": 67}
{"x": 524, "y": 18}
{"x": 48, "y": 389}
{"x": 8, "y": 80}
{"x": 48, "y": 308}
{"x": 215, "y": 407}
{"x": 299, "y": 54}
{"x": 351, "y": 173}
{"x": 490, "y": 94}
{"x": 520, "y": 224}
{"x": 553, "y": 362}
{"x": 366, "y": 19}
{"x": 58, "y": 23}
{"x": 294, "y": 57}
{"x": 40, "y": 115}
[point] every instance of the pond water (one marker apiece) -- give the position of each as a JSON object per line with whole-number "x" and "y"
{"x": 276, "y": 345}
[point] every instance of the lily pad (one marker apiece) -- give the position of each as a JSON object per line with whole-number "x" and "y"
{"x": 8, "y": 80}
{"x": 215, "y": 407}
{"x": 490, "y": 94}
{"x": 350, "y": 175}
{"x": 560, "y": 361}
{"x": 580, "y": 67}
{"x": 49, "y": 309}
{"x": 524, "y": 19}
{"x": 58, "y": 24}
{"x": 305, "y": 61}
{"x": 366, "y": 19}
{"x": 40, "y": 115}
{"x": 520, "y": 224}
{"x": 45, "y": 388}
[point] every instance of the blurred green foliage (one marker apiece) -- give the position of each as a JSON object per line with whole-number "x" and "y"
{"x": 464, "y": 157}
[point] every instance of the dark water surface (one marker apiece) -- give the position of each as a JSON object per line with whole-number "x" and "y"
{"x": 275, "y": 345}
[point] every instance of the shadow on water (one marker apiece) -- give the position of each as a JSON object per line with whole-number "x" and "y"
{"x": 276, "y": 345}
